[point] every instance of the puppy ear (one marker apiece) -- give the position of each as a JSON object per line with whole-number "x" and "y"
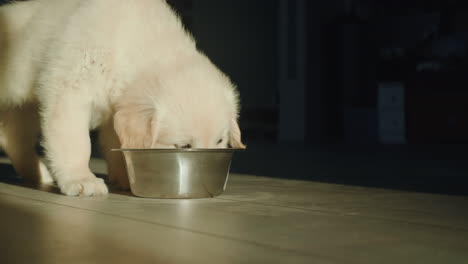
{"x": 235, "y": 135}
{"x": 136, "y": 126}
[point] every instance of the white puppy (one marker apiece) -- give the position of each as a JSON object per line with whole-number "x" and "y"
{"x": 125, "y": 67}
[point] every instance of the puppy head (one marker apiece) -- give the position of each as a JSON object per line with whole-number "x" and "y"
{"x": 190, "y": 109}
{"x": 135, "y": 122}
{"x": 191, "y": 124}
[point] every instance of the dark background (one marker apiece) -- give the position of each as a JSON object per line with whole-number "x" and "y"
{"x": 348, "y": 48}
{"x": 361, "y": 92}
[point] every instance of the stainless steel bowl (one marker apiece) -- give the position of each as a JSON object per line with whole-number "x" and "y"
{"x": 178, "y": 173}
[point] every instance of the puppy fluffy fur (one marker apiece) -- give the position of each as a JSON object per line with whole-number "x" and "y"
{"x": 126, "y": 68}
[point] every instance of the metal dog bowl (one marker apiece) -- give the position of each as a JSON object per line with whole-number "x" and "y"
{"x": 178, "y": 173}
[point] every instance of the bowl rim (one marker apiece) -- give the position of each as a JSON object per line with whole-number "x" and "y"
{"x": 175, "y": 150}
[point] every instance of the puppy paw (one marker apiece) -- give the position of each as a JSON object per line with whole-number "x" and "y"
{"x": 90, "y": 186}
{"x": 45, "y": 177}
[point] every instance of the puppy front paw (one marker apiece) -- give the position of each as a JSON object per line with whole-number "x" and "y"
{"x": 90, "y": 186}
{"x": 45, "y": 174}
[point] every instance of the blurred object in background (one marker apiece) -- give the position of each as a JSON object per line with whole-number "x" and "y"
{"x": 391, "y": 113}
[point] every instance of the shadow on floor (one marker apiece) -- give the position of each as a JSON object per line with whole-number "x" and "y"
{"x": 432, "y": 169}
{"x": 8, "y": 175}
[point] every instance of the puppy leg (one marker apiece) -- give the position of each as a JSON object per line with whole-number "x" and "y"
{"x": 65, "y": 124}
{"x": 115, "y": 162}
{"x": 19, "y": 135}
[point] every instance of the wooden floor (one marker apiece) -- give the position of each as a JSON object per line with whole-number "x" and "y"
{"x": 257, "y": 220}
